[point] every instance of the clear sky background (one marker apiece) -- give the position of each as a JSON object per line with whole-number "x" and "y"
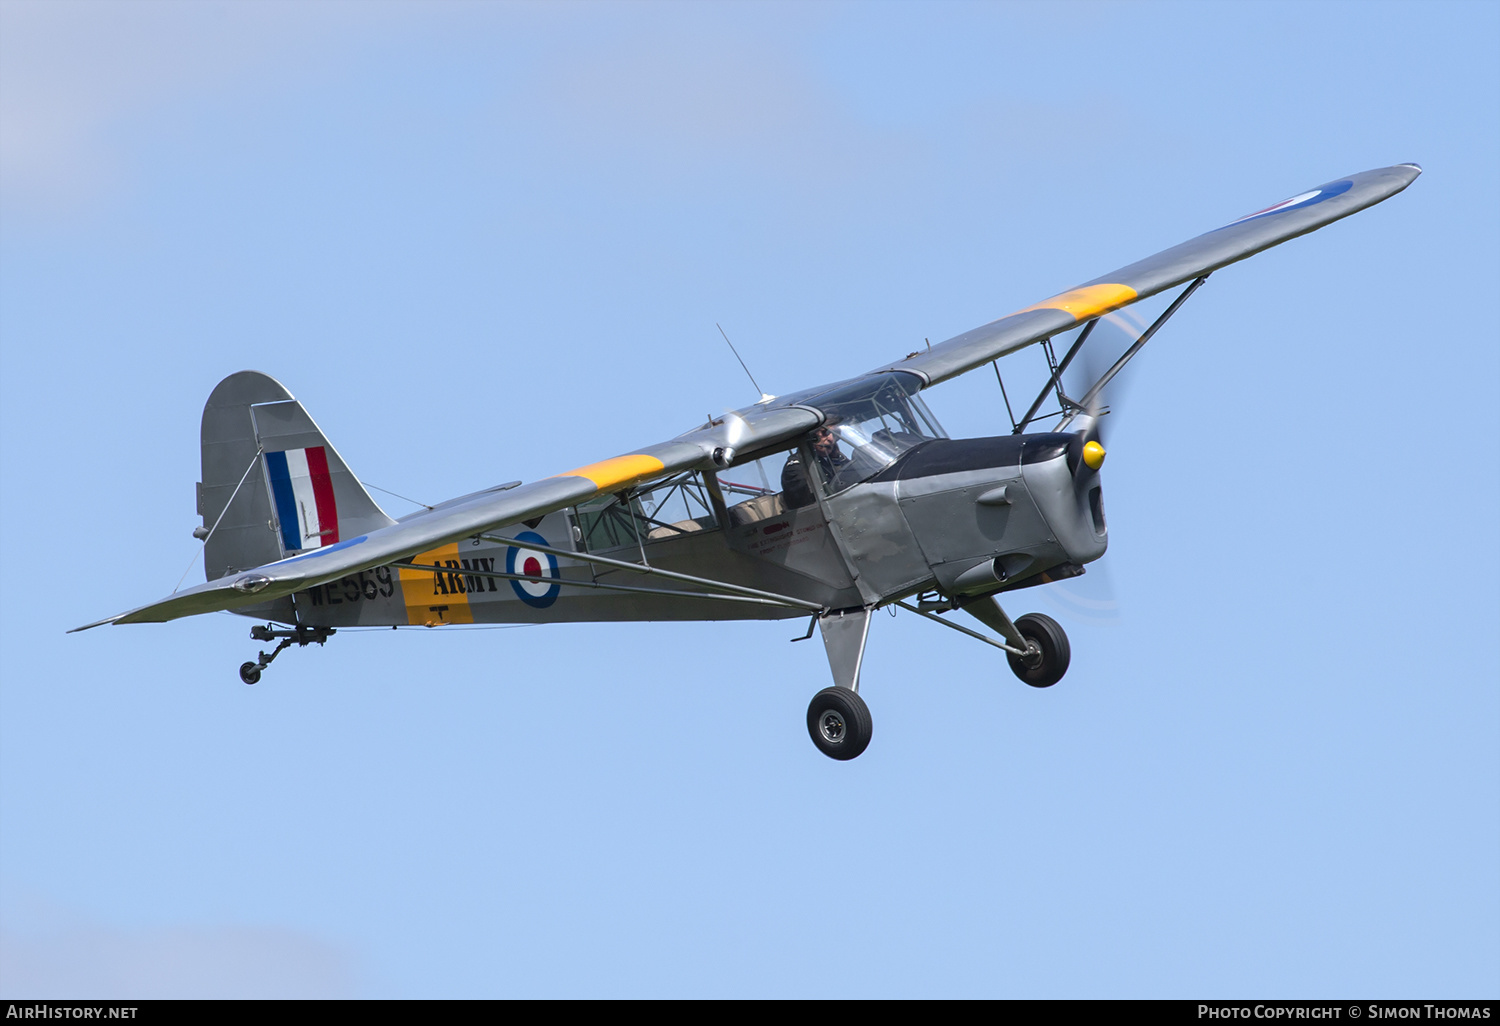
{"x": 483, "y": 242}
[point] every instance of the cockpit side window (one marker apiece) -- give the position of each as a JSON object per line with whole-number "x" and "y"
{"x": 868, "y": 424}
{"x": 757, "y": 489}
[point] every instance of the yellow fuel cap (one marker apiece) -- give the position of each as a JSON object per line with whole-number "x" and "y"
{"x": 1093, "y": 455}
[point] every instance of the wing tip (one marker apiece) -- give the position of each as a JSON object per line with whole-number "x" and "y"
{"x": 1409, "y": 172}
{"x": 96, "y": 623}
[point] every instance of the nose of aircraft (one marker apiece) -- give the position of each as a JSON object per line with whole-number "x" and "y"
{"x": 1093, "y": 455}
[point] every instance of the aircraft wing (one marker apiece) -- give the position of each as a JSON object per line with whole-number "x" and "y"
{"x": 1237, "y": 240}
{"x": 761, "y": 427}
{"x": 486, "y": 511}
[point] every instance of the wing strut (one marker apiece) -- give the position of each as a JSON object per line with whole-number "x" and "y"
{"x": 1108, "y": 376}
{"x": 1003, "y": 394}
{"x": 702, "y": 582}
{"x": 1056, "y": 380}
{"x": 564, "y": 582}
{"x": 1072, "y": 406}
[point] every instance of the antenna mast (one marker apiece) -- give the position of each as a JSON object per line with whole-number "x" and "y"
{"x": 765, "y": 397}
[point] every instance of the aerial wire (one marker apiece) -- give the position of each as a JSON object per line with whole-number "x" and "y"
{"x": 398, "y": 495}
{"x": 220, "y": 519}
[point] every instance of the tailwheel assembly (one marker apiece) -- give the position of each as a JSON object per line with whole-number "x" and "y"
{"x": 299, "y": 636}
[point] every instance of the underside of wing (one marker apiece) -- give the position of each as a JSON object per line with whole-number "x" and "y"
{"x": 485, "y": 511}
{"x": 1298, "y": 215}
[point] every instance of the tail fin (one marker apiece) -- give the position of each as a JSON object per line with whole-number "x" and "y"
{"x": 272, "y": 485}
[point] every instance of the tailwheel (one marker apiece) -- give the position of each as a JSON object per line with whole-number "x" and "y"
{"x": 1047, "y": 651}
{"x": 249, "y": 673}
{"x": 839, "y": 722}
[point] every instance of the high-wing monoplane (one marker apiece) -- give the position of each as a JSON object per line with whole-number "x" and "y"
{"x": 829, "y": 503}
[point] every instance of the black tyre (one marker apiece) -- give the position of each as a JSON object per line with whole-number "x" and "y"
{"x": 839, "y": 722}
{"x": 249, "y": 673}
{"x": 1048, "y": 659}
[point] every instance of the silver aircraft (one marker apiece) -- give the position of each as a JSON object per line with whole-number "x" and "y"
{"x": 828, "y": 503}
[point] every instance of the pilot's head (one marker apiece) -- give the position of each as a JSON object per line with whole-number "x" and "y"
{"x": 824, "y": 441}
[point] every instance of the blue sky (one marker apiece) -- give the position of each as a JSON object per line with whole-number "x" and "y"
{"x": 483, "y": 242}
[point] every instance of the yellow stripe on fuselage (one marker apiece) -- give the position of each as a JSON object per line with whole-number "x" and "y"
{"x": 621, "y": 470}
{"x": 437, "y": 596}
{"x": 1089, "y": 301}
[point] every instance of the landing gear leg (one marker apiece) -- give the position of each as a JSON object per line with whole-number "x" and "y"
{"x": 299, "y": 636}
{"x": 838, "y": 720}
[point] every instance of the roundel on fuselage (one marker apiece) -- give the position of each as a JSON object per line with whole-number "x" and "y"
{"x": 521, "y": 560}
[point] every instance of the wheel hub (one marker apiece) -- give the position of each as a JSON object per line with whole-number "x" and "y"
{"x": 831, "y": 725}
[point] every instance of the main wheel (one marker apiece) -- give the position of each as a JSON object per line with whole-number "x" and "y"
{"x": 839, "y": 722}
{"x": 249, "y": 673}
{"x": 1046, "y": 659}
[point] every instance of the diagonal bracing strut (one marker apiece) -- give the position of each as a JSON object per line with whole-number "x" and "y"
{"x": 566, "y": 583}
{"x": 1119, "y": 365}
{"x": 1055, "y": 381}
{"x": 962, "y": 630}
{"x": 1108, "y": 376}
{"x": 702, "y": 582}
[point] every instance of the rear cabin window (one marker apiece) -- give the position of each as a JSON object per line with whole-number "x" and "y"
{"x": 671, "y": 509}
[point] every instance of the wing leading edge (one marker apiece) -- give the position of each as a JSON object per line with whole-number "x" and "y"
{"x": 1235, "y": 241}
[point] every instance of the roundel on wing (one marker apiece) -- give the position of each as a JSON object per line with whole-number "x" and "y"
{"x": 1305, "y": 199}
{"x": 521, "y": 560}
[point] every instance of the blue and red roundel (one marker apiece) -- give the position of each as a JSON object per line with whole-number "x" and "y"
{"x": 521, "y": 560}
{"x": 1305, "y": 199}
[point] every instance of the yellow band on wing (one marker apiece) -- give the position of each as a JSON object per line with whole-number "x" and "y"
{"x": 618, "y": 471}
{"x": 1089, "y": 301}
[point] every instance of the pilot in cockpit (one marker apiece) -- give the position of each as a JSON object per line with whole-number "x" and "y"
{"x": 795, "y": 486}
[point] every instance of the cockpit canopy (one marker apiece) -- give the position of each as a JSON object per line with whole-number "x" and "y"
{"x": 867, "y": 424}
{"x": 873, "y": 421}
